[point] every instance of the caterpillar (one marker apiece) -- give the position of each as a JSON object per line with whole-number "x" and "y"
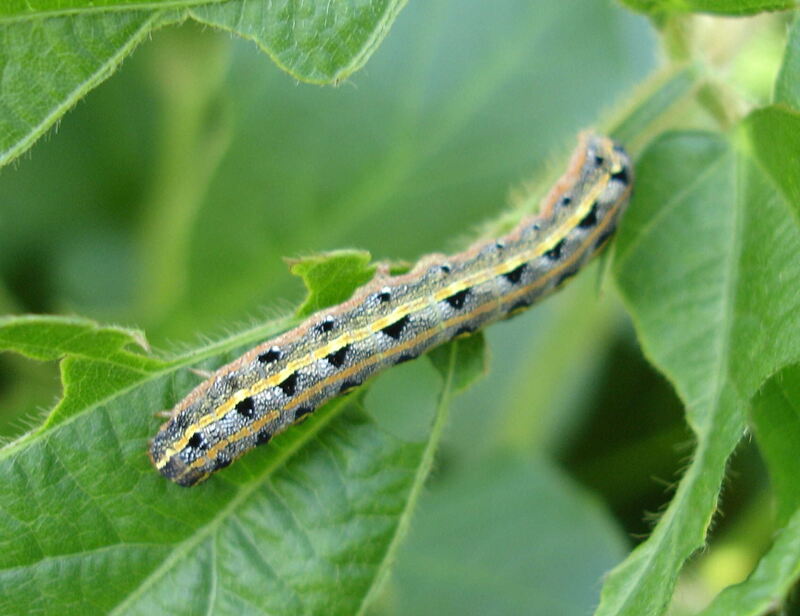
{"x": 394, "y": 319}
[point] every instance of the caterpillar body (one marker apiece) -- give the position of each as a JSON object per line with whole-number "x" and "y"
{"x": 396, "y": 318}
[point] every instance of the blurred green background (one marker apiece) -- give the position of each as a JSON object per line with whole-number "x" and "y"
{"x": 168, "y": 197}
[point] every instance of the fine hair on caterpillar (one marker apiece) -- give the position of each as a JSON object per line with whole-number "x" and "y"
{"x": 393, "y": 319}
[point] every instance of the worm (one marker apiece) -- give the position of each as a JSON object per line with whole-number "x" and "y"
{"x": 393, "y": 319}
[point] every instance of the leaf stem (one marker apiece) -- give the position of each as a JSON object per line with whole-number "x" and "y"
{"x": 423, "y": 470}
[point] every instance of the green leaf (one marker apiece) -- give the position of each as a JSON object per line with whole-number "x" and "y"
{"x": 48, "y": 338}
{"x": 772, "y": 579}
{"x": 471, "y": 359}
{"x": 706, "y": 262}
{"x": 305, "y": 523}
{"x": 308, "y": 524}
{"x": 52, "y": 54}
{"x": 661, "y": 94}
{"x": 318, "y": 42}
{"x": 774, "y": 136}
{"x": 331, "y": 278}
{"x": 95, "y": 360}
{"x": 505, "y": 536}
{"x": 359, "y": 186}
{"x": 776, "y": 419}
{"x": 719, "y": 7}
{"x": 50, "y": 63}
{"x": 787, "y": 86}
{"x": 22, "y": 9}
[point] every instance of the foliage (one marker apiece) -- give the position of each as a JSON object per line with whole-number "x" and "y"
{"x": 176, "y": 221}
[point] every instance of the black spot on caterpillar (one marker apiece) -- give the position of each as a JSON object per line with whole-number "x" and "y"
{"x": 221, "y": 463}
{"x": 395, "y": 329}
{"x": 196, "y": 441}
{"x": 384, "y": 296}
{"x": 514, "y": 275}
{"x": 348, "y": 386}
{"x": 554, "y": 254}
{"x": 456, "y": 300}
{"x": 245, "y": 407}
{"x": 590, "y": 220}
{"x": 269, "y": 356}
{"x": 283, "y": 380}
{"x": 465, "y": 330}
{"x": 302, "y": 412}
{"x": 327, "y": 325}
{"x": 519, "y": 307}
{"x": 262, "y": 438}
{"x": 621, "y": 176}
{"x": 289, "y": 384}
{"x": 336, "y": 359}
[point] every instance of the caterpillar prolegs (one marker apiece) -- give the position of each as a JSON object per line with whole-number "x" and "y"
{"x": 396, "y": 318}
